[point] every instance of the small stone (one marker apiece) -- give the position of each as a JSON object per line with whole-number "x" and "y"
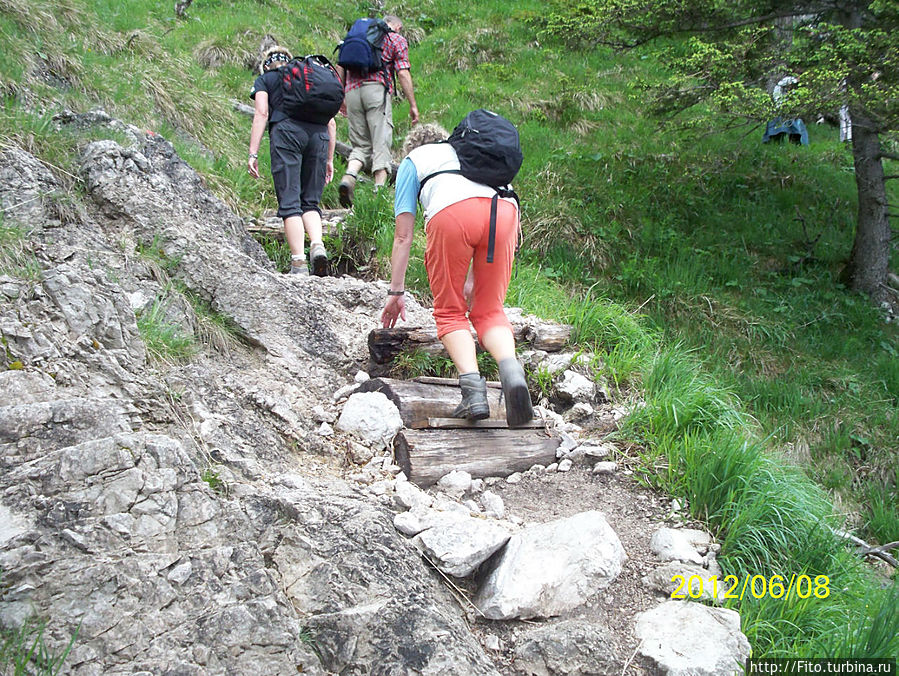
{"x": 514, "y": 478}
{"x": 361, "y": 377}
{"x": 493, "y": 505}
{"x": 605, "y": 467}
{"x": 565, "y": 465}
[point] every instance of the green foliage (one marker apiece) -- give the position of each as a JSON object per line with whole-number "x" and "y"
{"x": 23, "y": 650}
{"x": 212, "y": 477}
{"x": 277, "y": 250}
{"x": 16, "y": 259}
{"x": 420, "y": 363}
{"x": 166, "y": 340}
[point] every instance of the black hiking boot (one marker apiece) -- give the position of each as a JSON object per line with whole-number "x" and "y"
{"x": 474, "y": 397}
{"x": 519, "y": 410}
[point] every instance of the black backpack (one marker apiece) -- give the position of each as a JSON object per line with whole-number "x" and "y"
{"x": 311, "y": 90}
{"x": 360, "y": 50}
{"x": 489, "y": 152}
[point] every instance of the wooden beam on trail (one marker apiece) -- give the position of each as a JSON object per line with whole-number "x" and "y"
{"x": 427, "y": 455}
{"x": 385, "y": 344}
{"x": 418, "y": 402}
{"x": 463, "y": 424}
{"x": 272, "y": 226}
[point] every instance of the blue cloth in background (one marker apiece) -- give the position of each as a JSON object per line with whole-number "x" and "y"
{"x": 793, "y": 128}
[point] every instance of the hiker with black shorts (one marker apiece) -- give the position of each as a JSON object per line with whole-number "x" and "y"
{"x": 369, "y": 90}
{"x": 302, "y": 162}
{"x": 469, "y": 265}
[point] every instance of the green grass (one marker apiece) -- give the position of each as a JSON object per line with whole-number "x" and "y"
{"x": 16, "y": 259}
{"x": 24, "y": 652}
{"x": 166, "y": 340}
{"x": 703, "y": 270}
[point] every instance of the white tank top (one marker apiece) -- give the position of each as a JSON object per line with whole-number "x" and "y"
{"x": 445, "y": 189}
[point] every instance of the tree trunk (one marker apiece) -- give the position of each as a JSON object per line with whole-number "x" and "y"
{"x": 869, "y": 263}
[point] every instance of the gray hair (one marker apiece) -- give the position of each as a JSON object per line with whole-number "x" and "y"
{"x": 421, "y": 134}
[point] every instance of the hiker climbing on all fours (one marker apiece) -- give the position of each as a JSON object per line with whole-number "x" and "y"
{"x": 472, "y": 231}
{"x": 297, "y": 101}
{"x": 372, "y": 58}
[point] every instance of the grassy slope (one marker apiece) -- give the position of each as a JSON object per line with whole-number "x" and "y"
{"x": 744, "y": 334}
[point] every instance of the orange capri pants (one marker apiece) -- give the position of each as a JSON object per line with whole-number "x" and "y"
{"x": 457, "y": 235}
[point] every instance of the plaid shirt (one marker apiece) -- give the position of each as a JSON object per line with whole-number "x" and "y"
{"x": 394, "y": 53}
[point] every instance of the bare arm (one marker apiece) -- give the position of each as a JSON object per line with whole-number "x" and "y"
{"x": 404, "y": 77}
{"x": 332, "y": 144}
{"x": 395, "y": 307}
{"x": 260, "y": 119}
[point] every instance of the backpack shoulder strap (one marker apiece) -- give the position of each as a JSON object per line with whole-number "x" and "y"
{"x": 427, "y": 178}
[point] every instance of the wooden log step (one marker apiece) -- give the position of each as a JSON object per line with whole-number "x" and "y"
{"x": 450, "y": 382}
{"x": 427, "y": 455}
{"x": 417, "y": 401}
{"x": 385, "y": 344}
{"x": 272, "y": 226}
{"x": 462, "y": 423}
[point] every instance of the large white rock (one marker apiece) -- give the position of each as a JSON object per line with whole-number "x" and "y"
{"x": 458, "y": 547}
{"x": 684, "y": 544}
{"x": 371, "y": 416}
{"x": 575, "y": 387}
{"x": 551, "y": 568}
{"x": 690, "y": 639}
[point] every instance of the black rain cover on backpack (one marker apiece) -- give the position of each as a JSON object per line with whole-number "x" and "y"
{"x": 488, "y": 148}
{"x": 361, "y": 48}
{"x": 311, "y": 90}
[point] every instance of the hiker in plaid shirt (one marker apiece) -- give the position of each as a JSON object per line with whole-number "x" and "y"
{"x": 370, "y": 110}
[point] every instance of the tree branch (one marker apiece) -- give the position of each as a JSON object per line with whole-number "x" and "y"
{"x": 889, "y": 156}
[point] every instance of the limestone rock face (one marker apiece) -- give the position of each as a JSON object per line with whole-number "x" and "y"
{"x": 188, "y": 516}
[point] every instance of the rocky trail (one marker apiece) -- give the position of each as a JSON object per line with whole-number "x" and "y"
{"x": 244, "y": 511}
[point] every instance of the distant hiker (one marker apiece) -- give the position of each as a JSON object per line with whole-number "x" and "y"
{"x": 372, "y": 57}
{"x": 469, "y": 267}
{"x": 302, "y": 137}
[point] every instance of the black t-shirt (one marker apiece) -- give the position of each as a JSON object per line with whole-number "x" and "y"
{"x": 270, "y": 82}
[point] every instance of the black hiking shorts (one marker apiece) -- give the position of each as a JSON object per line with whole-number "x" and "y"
{"x": 299, "y": 152}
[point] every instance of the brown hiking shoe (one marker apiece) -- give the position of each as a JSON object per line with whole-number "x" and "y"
{"x": 319, "y": 258}
{"x": 345, "y": 190}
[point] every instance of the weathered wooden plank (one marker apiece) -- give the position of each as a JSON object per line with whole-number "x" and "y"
{"x": 461, "y": 423}
{"x": 451, "y": 382}
{"x": 417, "y": 402}
{"x": 427, "y": 455}
{"x": 385, "y": 344}
{"x": 272, "y": 226}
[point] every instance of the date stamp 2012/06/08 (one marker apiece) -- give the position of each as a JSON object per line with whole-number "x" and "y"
{"x": 758, "y": 586}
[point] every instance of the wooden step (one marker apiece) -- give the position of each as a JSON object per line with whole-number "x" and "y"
{"x": 427, "y": 455}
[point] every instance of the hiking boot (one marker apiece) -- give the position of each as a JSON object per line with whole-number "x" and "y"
{"x": 345, "y": 190}
{"x": 474, "y": 397}
{"x": 299, "y": 268}
{"x": 519, "y": 410}
{"x": 319, "y": 258}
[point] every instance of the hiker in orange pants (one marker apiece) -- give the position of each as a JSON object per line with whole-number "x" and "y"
{"x": 463, "y": 282}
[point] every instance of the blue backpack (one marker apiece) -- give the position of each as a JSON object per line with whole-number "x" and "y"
{"x": 360, "y": 50}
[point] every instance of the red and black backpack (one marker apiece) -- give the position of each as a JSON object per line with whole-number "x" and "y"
{"x": 311, "y": 89}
